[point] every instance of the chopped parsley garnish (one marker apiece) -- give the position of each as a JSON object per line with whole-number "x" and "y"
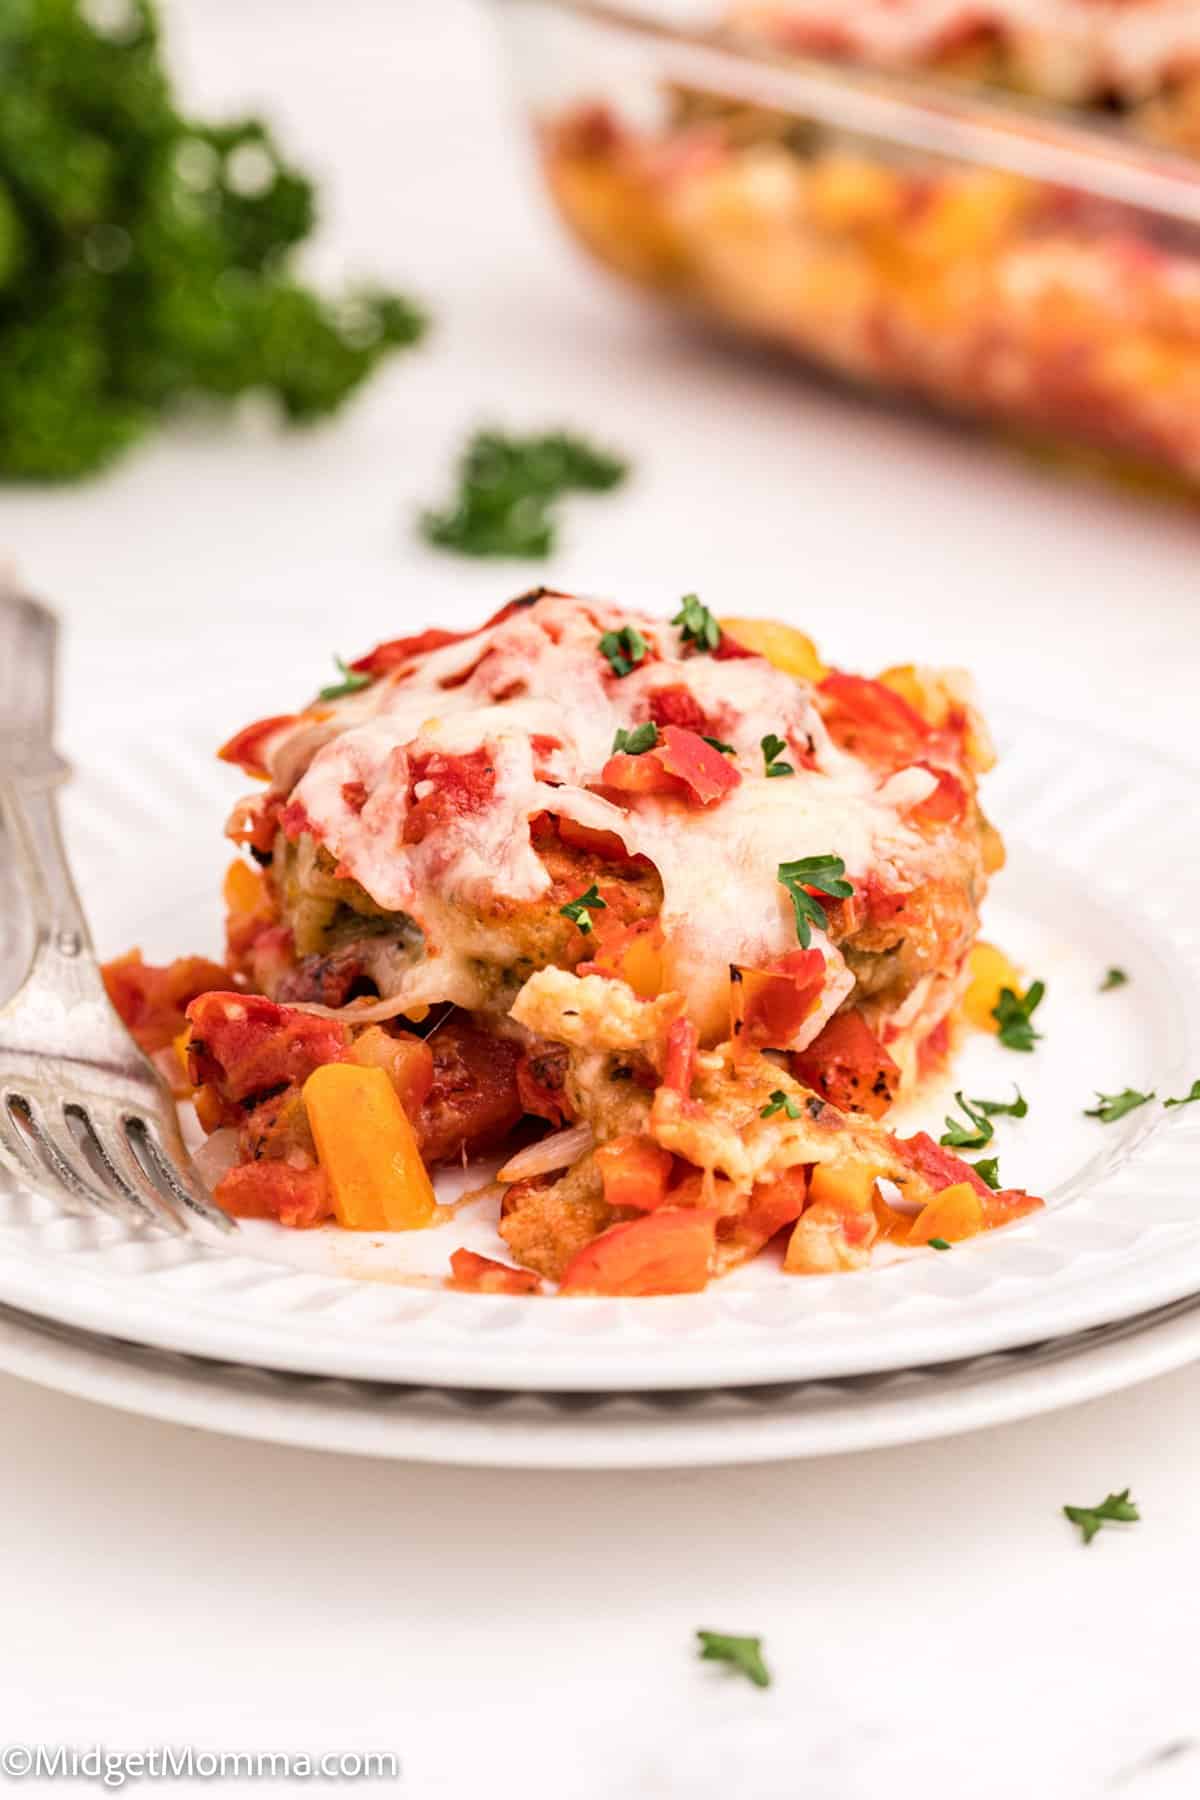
{"x": 507, "y": 488}
{"x": 1011, "y": 1109}
{"x": 742, "y": 1653}
{"x": 1115, "y": 978}
{"x": 725, "y": 749}
{"x": 988, "y": 1169}
{"x": 937, "y": 1243}
{"x": 623, "y": 649}
{"x": 780, "y": 1102}
{"x": 577, "y": 910}
{"x": 351, "y": 683}
{"x": 638, "y": 741}
{"x": 972, "y": 1136}
{"x": 771, "y": 748}
{"x": 1117, "y": 1509}
{"x": 1013, "y": 1013}
{"x": 1114, "y": 1106}
{"x": 825, "y": 873}
{"x": 1193, "y": 1093}
{"x": 696, "y": 624}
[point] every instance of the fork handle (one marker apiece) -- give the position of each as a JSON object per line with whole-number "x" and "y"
{"x": 29, "y": 805}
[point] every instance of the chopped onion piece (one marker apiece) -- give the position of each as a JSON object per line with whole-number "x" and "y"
{"x": 896, "y": 1198}
{"x": 556, "y": 1152}
{"x": 216, "y": 1156}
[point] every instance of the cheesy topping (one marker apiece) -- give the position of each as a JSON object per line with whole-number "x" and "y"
{"x": 536, "y": 706}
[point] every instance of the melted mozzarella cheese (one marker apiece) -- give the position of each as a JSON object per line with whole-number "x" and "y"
{"x": 535, "y": 695}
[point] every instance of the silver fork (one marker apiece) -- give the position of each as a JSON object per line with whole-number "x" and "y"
{"x": 83, "y": 1113}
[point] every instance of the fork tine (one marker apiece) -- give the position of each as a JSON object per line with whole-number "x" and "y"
{"x": 175, "y": 1172}
{"x": 46, "y": 1146}
{"x": 106, "y": 1135}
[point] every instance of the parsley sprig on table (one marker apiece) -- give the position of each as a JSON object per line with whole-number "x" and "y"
{"x": 638, "y": 741}
{"x": 972, "y": 1136}
{"x": 578, "y": 910}
{"x": 507, "y": 488}
{"x": 145, "y": 256}
{"x": 742, "y": 1653}
{"x": 1115, "y": 978}
{"x": 352, "y": 682}
{"x": 1114, "y": 1106}
{"x": 826, "y": 874}
{"x": 1013, "y": 1014}
{"x": 772, "y": 748}
{"x": 697, "y": 626}
{"x": 1193, "y": 1093}
{"x": 1117, "y": 1509}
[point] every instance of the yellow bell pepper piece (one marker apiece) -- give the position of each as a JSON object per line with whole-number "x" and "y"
{"x": 368, "y": 1150}
{"x": 789, "y": 649}
{"x": 954, "y": 1214}
{"x": 989, "y": 971}
{"x": 848, "y": 1186}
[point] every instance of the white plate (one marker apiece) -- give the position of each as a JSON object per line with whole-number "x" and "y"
{"x": 1105, "y": 866}
{"x": 684, "y": 1429}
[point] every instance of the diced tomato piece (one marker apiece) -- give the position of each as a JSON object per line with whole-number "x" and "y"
{"x": 474, "y": 1100}
{"x": 666, "y": 1252}
{"x": 683, "y": 1039}
{"x": 1008, "y": 1204}
{"x": 245, "y": 747}
{"x": 254, "y": 822}
{"x": 768, "y": 1006}
{"x": 152, "y": 1000}
{"x": 243, "y": 1045}
{"x": 948, "y": 801}
{"x": 849, "y": 1066}
{"x": 406, "y": 1060}
{"x": 476, "y": 1274}
{"x": 541, "y": 1084}
{"x": 939, "y": 1166}
{"x": 772, "y": 1205}
{"x": 274, "y": 1190}
{"x": 729, "y": 650}
{"x": 677, "y": 705}
{"x": 872, "y": 720}
{"x": 704, "y": 771}
{"x": 635, "y": 1172}
{"x": 682, "y": 765}
{"x": 397, "y": 651}
{"x": 462, "y": 785}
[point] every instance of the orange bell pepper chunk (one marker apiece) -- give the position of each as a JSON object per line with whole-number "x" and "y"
{"x": 989, "y": 970}
{"x": 368, "y": 1150}
{"x": 667, "y": 1252}
{"x": 954, "y": 1214}
{"x": 635, "y": 1172}
{"x": 848, "y": 1186}
{"x": 405, "y": 1059}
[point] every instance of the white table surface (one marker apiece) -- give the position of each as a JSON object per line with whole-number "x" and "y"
{"x": 934, "y": 1625}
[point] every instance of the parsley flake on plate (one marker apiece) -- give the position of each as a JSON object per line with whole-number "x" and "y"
{"x": 351, "y": 683}
{"x": 1115, "y": 978}
{"x": 741, "y": 1653}
{"x": 696, "y": 624}
{"x": 825, "y": 873}
{"x": 623, "y": 650}
{"x": 1117, "y": 1509}
{"x": 725, "y": 749}
{"x": 638, "y": 741}
{"x": 938, "y": 1244}
{"x": 972, "y": 1136}
{"x": 771, "y": 749}
{"x": 1193, "y": 1093}
{"x": 1114, "y": 1106}
{"x": 578, "y": 910}
{"x": 1013, "y": 1013}
{"x": 780, "y": 1102}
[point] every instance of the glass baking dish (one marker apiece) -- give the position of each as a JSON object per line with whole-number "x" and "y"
{"x": 960, "y": 246}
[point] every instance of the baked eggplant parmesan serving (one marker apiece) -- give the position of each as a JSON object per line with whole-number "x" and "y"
{"x": 667, "y": 913}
